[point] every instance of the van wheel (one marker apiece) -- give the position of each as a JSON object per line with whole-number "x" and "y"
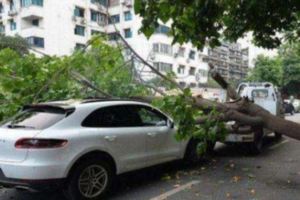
{"x": 278, "y": 136}
{"x": 90, "y": 180}
{"x": 255, "y": 147}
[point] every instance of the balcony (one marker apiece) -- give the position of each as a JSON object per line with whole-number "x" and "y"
{"x": 12, "y": 13}
{"x": 32, "y": 31}
{"x": 32, "y": 12}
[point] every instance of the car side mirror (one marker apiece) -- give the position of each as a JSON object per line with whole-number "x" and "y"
{"x": 170, "y": 124}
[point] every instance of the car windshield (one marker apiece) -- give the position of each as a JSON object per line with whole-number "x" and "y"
{"x": 36, "y": 119}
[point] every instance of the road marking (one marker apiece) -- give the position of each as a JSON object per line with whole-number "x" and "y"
{"x": 279, "y": 144}
{"x": 174, "y": 191}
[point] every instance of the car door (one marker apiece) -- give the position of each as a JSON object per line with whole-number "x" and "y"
{"x": 117, "y": 130}
{"x": 161, "y": 144}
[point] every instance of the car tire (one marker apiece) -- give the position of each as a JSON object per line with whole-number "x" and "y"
{"x": 255, "y": 147}
{"x": 90, "y": 180}
{"x": 211, "y": 147}
{"x": 191, "y": 155}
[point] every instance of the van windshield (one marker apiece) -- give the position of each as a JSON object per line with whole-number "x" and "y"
{"x": 260, "y": 94}
{"x": 36, "y": 119}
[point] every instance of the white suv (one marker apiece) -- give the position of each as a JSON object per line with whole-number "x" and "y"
{"x": 80, "y": 146}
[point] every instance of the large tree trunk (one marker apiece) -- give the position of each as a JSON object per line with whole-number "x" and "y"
{"x": 243, "y": 111}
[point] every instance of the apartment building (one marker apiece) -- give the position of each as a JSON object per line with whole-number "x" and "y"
{"x": 58, "y": 27}
{"x": 230, "y": 60}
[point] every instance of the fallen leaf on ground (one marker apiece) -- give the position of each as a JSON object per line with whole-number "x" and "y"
{"x": 228, "y": 195}
{"x": 252, "y": 192}
{"x": 251, "y": 175}
{"x": 245, "y": 169}
{"x": 236, "y": 179}
{"x": 166, "y": 178}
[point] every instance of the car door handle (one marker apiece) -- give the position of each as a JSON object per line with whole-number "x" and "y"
{"x": 151, "y": 134}
{"x": 110, "y": 138}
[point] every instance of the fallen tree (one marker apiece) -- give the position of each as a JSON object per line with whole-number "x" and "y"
{"x": 247, "y": 112}
{"x": 248, "y": 116}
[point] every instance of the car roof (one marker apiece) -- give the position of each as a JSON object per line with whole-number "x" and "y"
{"x": 73, "y": 103}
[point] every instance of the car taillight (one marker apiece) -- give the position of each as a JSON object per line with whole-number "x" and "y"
{"x": 36, "y": 143}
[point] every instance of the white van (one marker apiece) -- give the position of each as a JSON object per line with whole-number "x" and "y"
{"x": 266, "y": 96}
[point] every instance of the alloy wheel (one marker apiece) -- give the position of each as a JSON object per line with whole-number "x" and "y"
{"x": 93, "y": 181}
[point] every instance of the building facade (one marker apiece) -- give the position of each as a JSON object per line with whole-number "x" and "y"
{"x": 58, "y": 27}
{"x": 230, "y": 60}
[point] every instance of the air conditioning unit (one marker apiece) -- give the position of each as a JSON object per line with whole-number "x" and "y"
{"x": 101, "y": 23}
{"x": 74, "y": 19}
{"x": 152, "y": 56}
{"x": 101, "y": 7}
{"x": 127, "y": 3}
{"x": 12, "y": 13}
{"x": 83, "y": 21}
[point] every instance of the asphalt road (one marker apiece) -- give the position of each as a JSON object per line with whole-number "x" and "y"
{"x": 228, "y": 174}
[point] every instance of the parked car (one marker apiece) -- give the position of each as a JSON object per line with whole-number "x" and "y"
{"x": 81, "y": 146}
{"x": 289, "y": 108}
{"x": 296, "y": 104}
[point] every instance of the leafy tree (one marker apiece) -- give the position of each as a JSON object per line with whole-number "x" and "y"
{"x": 282, "y": 70}
{"x": 202, "y": 21}
{"x": 290, "y": 55}
{"x": 267, "y": 70}
{"x": 26, "y": 79}
{"x": 16, "y": 43}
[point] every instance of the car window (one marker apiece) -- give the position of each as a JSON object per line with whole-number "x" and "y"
{"x": 35, "y": 119}
{"x": 151, "y": 117}
{"x": 113, "y": 116}
{"x": 260, "y": 94}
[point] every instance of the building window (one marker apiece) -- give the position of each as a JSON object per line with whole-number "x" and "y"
{"x": 11, "y": 5}
{"x": 101, "y": 2}
{"x": 182, "y": 84}
{"x": 79, "y": 12}
{"x": 162, "y": 29}
{"x": 114, "y": 2}
{"x": 2, "y": 28}
{"x": 79, "y": 46}
{"x": 181, "y": 52}
{"x": 181, "y": 69}
{"x": 79, "y": 30}
{"x": 36, "y": 41}
{"x": 192, "y": 55}
{"x": 35, "y": 22}
{"x": 13, "y": 25}
{"x": 95, "y": 32}
{"x": 26, "y": 3}
{"x": 127, "y": 16}
{"x": 113, "y": 36}
{"x": 193, "y": 85}
{"x": 163, "y": 67}
{"x": 1, "y": 7}
{"x": 163, "y": 48}
{"x": 114, "y": 19}
{"x": 103, "y": 19}
{"x": 203, "y": 73}
{"x": 95, "y": 16}
{"x": 128, "y": 33}
{"x": 192, "y": 71}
